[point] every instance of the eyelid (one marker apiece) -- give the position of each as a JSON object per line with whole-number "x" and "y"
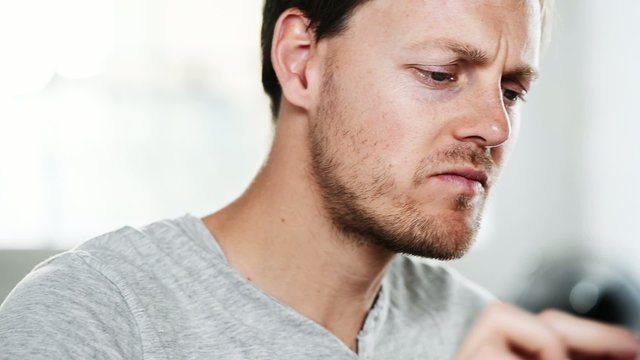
{"x": 425, "y": 72}
{"x": 515, "y": 86}
{"x": 447, "y": 68}
{"x": 519, "y": 90}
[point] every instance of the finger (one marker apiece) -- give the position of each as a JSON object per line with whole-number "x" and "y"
{"x": 516, "y": 331}
{"x": 586, "y": 338}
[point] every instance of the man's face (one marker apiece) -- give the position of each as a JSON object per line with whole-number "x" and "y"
{"x": 418, "y": 107}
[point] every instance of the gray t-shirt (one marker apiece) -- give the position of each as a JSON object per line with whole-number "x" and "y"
{"x": 167, "y": 292}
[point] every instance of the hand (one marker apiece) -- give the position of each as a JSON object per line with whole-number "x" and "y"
{"x": 505, "y": 332}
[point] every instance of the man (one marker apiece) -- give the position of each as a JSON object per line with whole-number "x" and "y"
{"x": 393, "y": 121}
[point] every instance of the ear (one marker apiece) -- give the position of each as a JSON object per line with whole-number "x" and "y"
{"x": 292, "y": 47}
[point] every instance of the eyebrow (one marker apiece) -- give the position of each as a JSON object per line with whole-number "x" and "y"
{"x": 465, "y": 51}
{"x": 523, "y": 73}
{"x": 477, "y": 56}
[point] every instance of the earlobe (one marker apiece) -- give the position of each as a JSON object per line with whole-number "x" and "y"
{"x": 293, "y": 42}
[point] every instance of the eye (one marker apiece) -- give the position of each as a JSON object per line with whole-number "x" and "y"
{"x": 437, "y": 79}
{"x": 512, "y": 96}
{"x": 440, "y": 76}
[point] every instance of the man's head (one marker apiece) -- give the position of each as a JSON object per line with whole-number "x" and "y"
{"x": 410, "y": 107}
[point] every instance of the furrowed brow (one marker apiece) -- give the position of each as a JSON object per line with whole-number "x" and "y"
{"x": 464, "y": 51}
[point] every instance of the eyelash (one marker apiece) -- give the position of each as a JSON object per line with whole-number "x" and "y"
{"x": 517, "y": 96}
{"x": 440, "y": 79}
{"x": 437, "y": 79}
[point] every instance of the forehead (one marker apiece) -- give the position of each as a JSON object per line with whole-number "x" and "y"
{"x": 494, "y": 26}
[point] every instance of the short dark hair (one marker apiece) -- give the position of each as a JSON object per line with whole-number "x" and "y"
{"x": 326, "y": 18}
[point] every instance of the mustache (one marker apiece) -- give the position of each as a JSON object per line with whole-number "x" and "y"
{"x": 455, "y": 155}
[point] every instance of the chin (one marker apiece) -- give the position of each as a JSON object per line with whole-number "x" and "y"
{"x": 444, "y": 236}
{"x": 452, "y": 244}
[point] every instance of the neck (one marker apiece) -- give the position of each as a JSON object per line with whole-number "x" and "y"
{"x": 291, "y": 250}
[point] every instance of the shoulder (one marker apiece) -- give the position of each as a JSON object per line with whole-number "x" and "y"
{"x": 90, "y": 302}
{"x": 66, "y": 308}
{"x": 148, "y": 249}
{"x": 103, "y": 299}
{"x": 150, "y": 240}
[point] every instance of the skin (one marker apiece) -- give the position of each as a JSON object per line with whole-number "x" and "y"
{"x": 400, "y": 126}
{"x": 395, "y": 129}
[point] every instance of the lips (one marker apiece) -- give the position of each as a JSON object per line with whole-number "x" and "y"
{"x": 468, "y": 174}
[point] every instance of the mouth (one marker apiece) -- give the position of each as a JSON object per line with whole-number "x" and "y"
{"x": 466, "y": 176}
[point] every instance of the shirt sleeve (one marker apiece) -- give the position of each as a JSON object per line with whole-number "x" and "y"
{"x": 65, "y": 309}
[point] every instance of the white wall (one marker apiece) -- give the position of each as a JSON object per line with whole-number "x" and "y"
{"x": 172, "y": 109}
{"x": 611, "y": 151}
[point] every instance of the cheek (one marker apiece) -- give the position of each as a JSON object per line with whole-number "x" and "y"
{"x": 394, "y": 114}
{"x": 375, "y": 116}
{"x": 390, "y": 146}
{"x": 390, "y": 123}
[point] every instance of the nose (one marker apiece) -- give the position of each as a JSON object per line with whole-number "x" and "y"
{"x": 487, "y": 122}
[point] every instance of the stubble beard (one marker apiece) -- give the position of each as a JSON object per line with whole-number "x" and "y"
{"x": 403, "y": 227}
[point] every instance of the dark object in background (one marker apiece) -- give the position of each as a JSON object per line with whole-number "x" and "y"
{"x": 585, "y": 287}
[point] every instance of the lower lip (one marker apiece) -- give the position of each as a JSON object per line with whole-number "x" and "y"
{"x": 471, "y": 187}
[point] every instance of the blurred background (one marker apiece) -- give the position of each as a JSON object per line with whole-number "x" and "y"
{"x": 126, "y": 112}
